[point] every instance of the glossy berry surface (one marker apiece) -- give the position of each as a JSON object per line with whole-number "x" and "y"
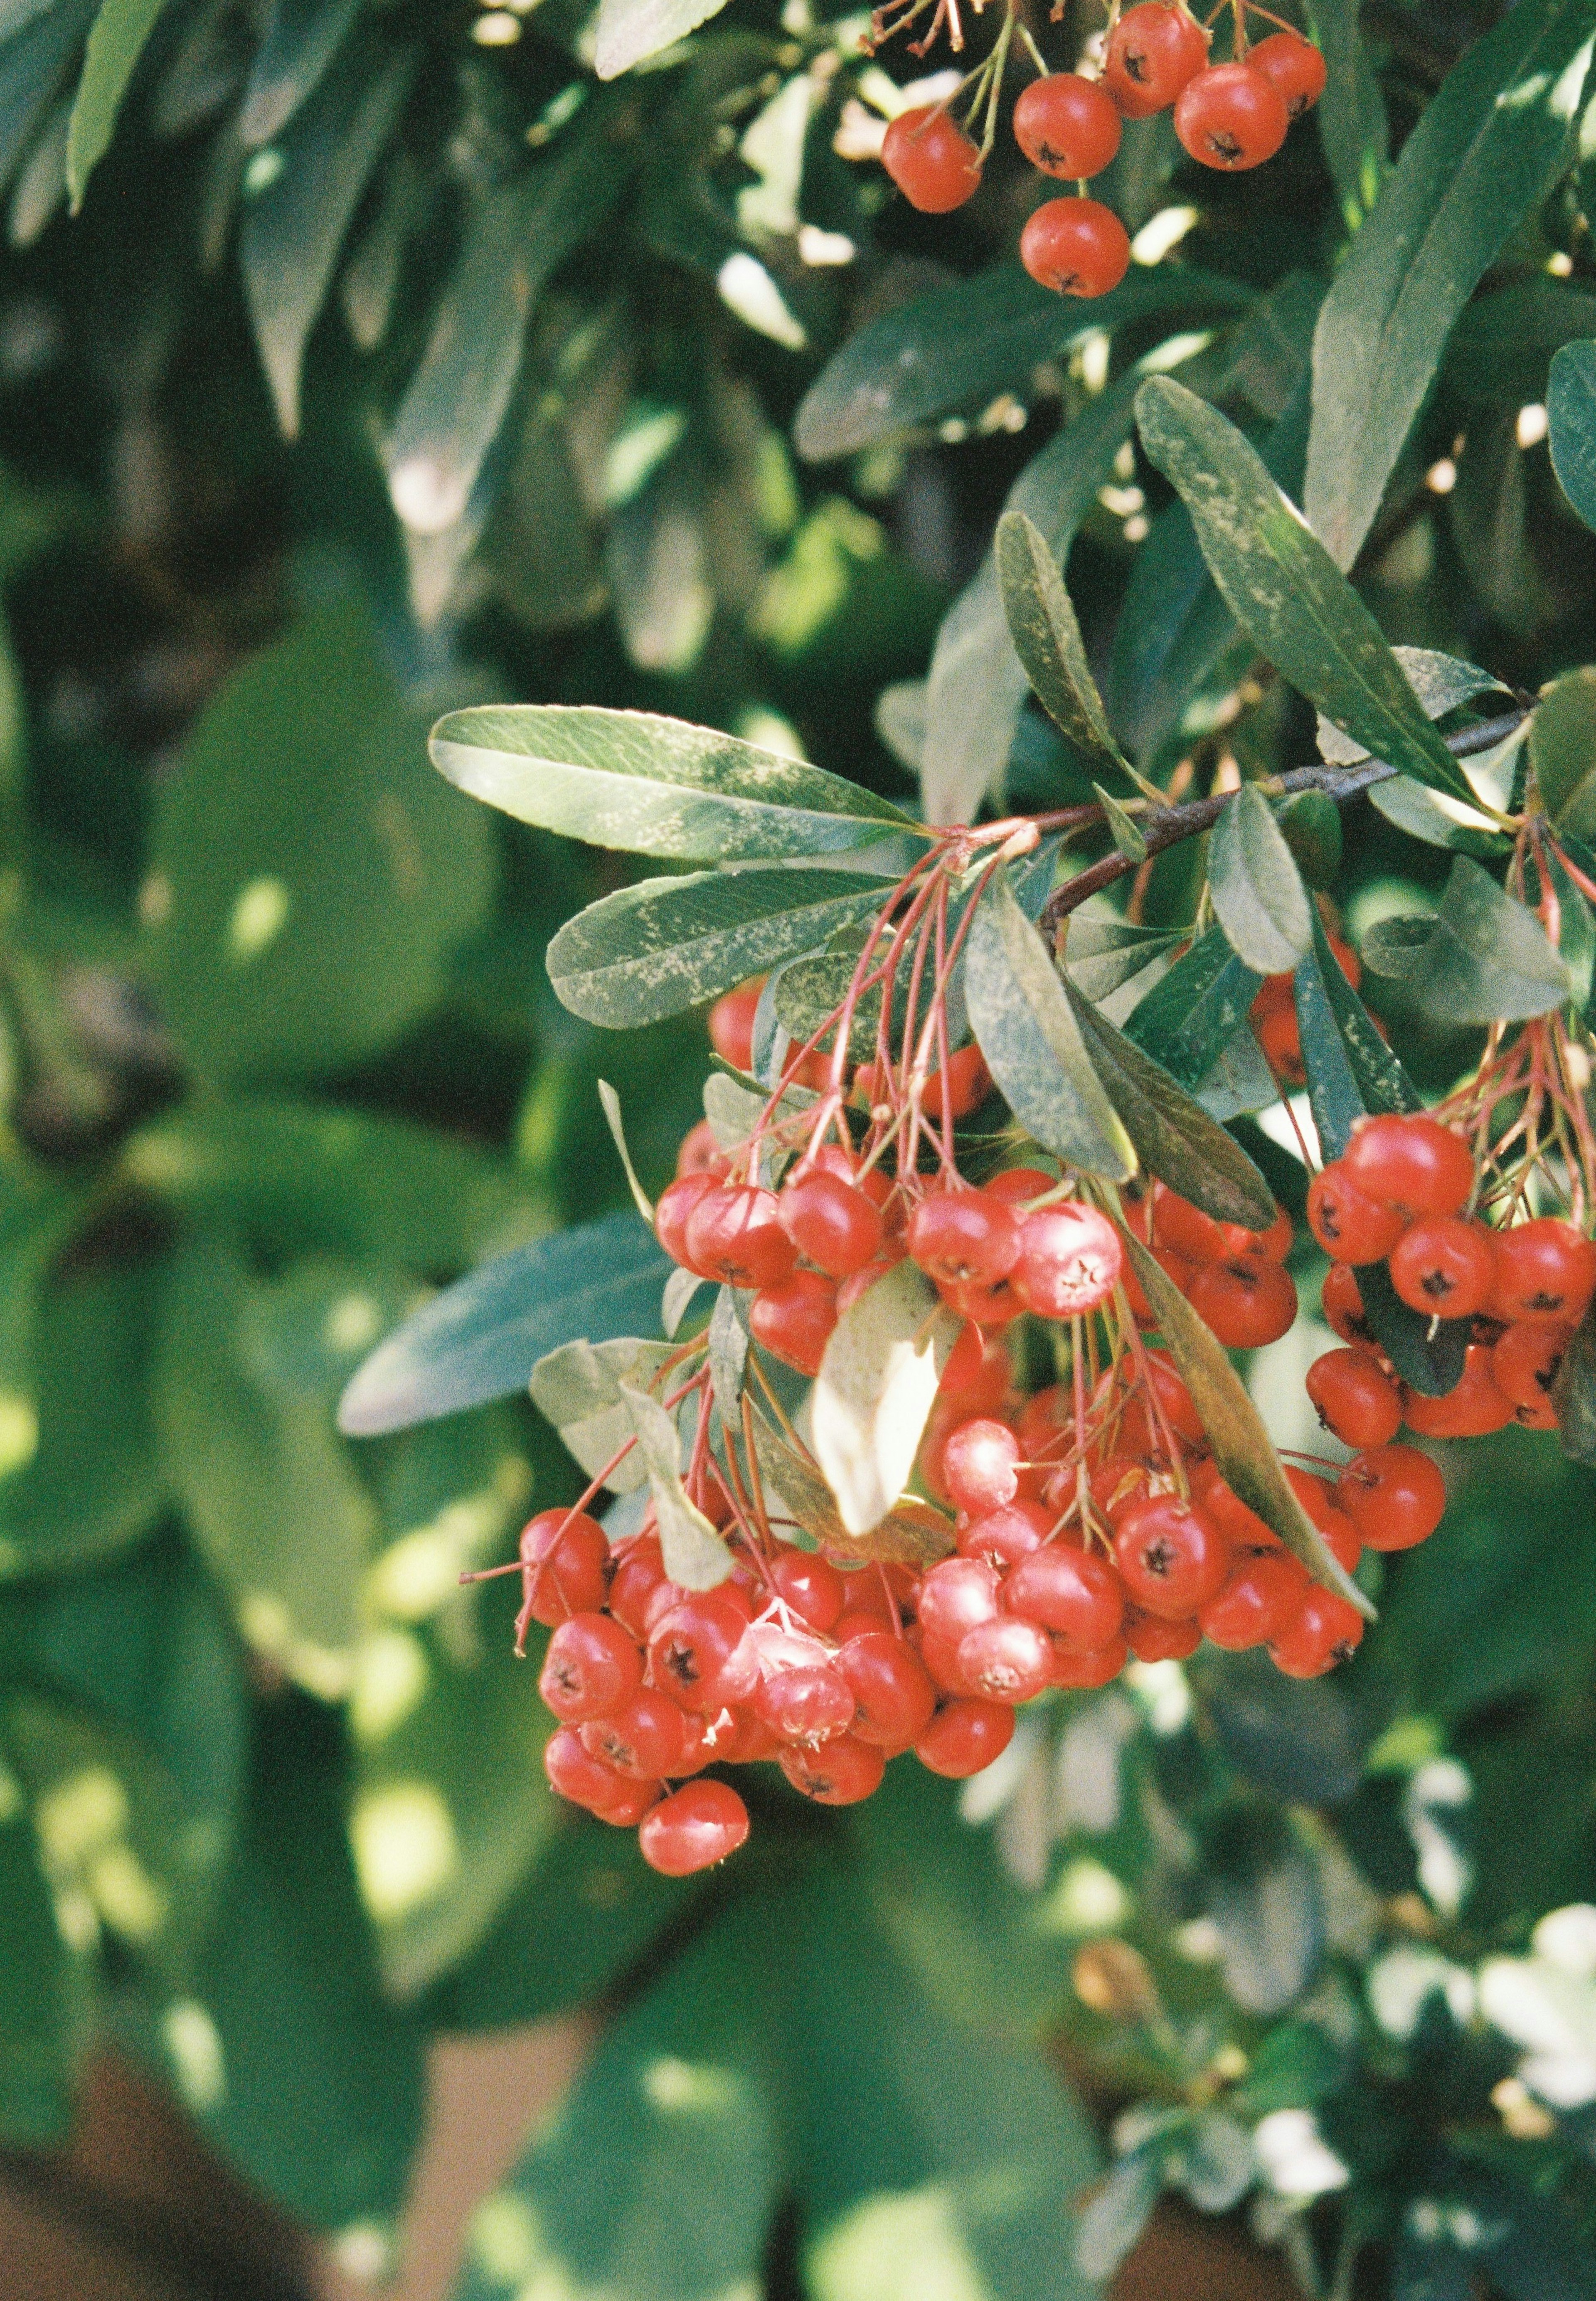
{"x": 932, "y": 161}
{"x": 1076, "y": 247}
{"x": 1413, "y": 1163}
{"x": 794, "y": 1320}
{"x": 1171, "y": 1557}
{"x": 1232, "y": 117}
{"x": 699, "y": 1825}
{"x": 1348, "y": 1223}
{"x": 1395, "y": 1494}
{"x": 958, "y": 1236}
{"x": 1354, "y": 1399}
{"x": 964, "y": 1736}
{"x": 1444, "y": 1266}
{"x": 735, "y": 1234}
{"x": 1152, "y": 52}
{"x": 1067, "y": 126}
{"x": 832, "y": 1222}
{"x": 1295, "y": 67}
{"x": 1544, "y": 1268}
{"x": 1245, "y": 1301}
{"x": 1069, "y": 1262}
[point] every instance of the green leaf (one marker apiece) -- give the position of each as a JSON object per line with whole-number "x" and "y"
{"x": 912, "y": 1534}
{"x": 1242, "y": 1447}
{"x": 1487, "y": 151}
{"x": 728, "y": 1345}
{"x": 1284, "y": 588}
{"x": 1102, "y": 955}
{"x": 1562, "y": 741}
{"x": 302, "y": 37}
{"x": 1122, "y": 828}
{"x": 1118, "y": 2211}
{"x": 579, "y": 1387}
{"x": 1483, "y": 958}
{"x": 631, "y": 30}
{"x": 655, "y": 786}
{"x": 958, "y": 347}
{"x": 695, "y": 1556}
{"x": 1187, "y": 1021}
{"x": 115, "y": 44}
{"x": 1426, "y": 815}
{"x": 35, "y": 1991}
{"x": 1571, "y": 406}
{"x": 610, "y": 1103}
{"x": 275, "y": 953}
{"x": 1351, "y": 111}
{"x": 1174, "y": 1137}
{"x": 877, "y": 1383}
{"x": 1574, "y": 1393}
{"x": 1047, "y": 637}
{"x": 482, "y": 1337}
{"x": 32, "y": 62}
{"x": 652, "y": 949}
{"x": 1576, "y": 931}
{"x": 294, "y": 226}
{"x": 1350, "y": 1069}
{"x": 1258, "y": 895}
{"x": 1426, "y": 1353}
{"x": 1503, "y": 345}
{"x": 1028, "y": 1033}
{"x": 1441, "y": 683}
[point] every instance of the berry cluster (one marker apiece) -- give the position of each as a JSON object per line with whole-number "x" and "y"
{"x": 1398, "y": 1196}
{"x": 1230, "y": 115}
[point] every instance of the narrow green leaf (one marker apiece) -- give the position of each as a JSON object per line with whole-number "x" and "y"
{"x": 680, "y": 1287}
{"x": 728, "y": 1354}
{"x": 655, "y": 786}
{"x": 1571, "y": 406}
{"x": 652, "y": 949}
{"x": 1441, "y": 683}
{"x": 632, "y": 30}
{"x": 1350, "y": 1069}
{"x": 1174, "y": 1137}
{"x": 1427, "y": 1353}
{"x": 1351, "y": 111}
{"x": 1122, "y": 828}
{"x": 1187, "y": 1020}
{"x": 1028, "y": 1033}
{"x": 578, "y": 1387}
{"x": 876, "y": 1386}
{"x": 115, "y": 44}
{"x": 1562, "y": 741}
{"x": 912, "y": 1534}
{"x": 610, "y": 1103}
{"x": 1047, "y": 637}
{"x": 1430, "y": 815}
{"x": 1258, "y": 895}
{"x": 1284, "y": 588}
{"x": 302, "y": 37}
{"x": 32, "y": 62}
{"x": 1485, "y": 958}
{"x": 694, "y": 1554}
{"x": 1242, "y": 1447}
{"x": 1487, "y": 151}
{"x": 1103, "y": 954}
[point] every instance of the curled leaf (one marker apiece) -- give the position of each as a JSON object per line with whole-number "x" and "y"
{"x": 873, "y": 1394}
{"x": 693, "y": 1551}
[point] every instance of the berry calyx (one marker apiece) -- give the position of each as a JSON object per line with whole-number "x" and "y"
{"x": 1152, "y": 52}
{"x": 645, "y": 1739}
{"x": 697, "y": 1651}
{"x": 1525, "y": 1360}
{"x": 1171, "y": 1557}
{"x": 698, "y": 1826}
{"x": 1295, "y": 67}
{"x": 1067, "y": 126}
{"x": 1326, "y": 1630}
{"x": 933, "y": 163}
{"x": 1232, "y": 117}
{"x": 1444, "y": 1266}
{"x": 842, "y": 1773}
{"x": 808, "y": 1703}
{"x": 1005, "y": 1660}
{"x": 1069, "y": 1260}
{"x": 1076, "y": 247}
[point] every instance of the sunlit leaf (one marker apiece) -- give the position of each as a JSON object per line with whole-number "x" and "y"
{"x": 912, "y": 1534}
{"x": 694, "y": 1554}
{"x": 1047, "y": 637}
{"x": 579, "y": 1388}
{"x": 877, "y": 1381}
{"x": 115, "y": 44}
{"x": 1254, "y": 887}
{"x": 631, "y": 30}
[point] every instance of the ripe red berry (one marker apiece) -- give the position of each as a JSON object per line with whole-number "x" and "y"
{"x": 932, "y": 161}
{"x": 1151, "y": 1638}
{"x": 575, "y": 1773}
{"x": 1410, "y": 1161}
{"x": 699, "y": 1825}
{"x": 1018, "y": 1184}
{"x": 1296, "y": 68}
{"x": 994, "y": 1306}
{"x": 697, "y": 1651}
{"x": 1153, "y": 51}
{"x": 1525, "y": 1359}
{"x": 672, "y": 1215}
{"x": 1007, "y": 1660}
{"x": 1079, "y": 1668}
{"x": 964, "y": 1736}
{"x": 896, "y": 1699}
{"x": 978, "y": 1373}
{"x": 969, "y": 1083}
{"x": 1474, "y": 1410}
{"x": 1075, "y": 1593}
{"x": 978, "y": 1466}
{"x": 958, "y": 1237}
{"x": 1353, "y": 1399}
{"x": 1177, "y": 1223}
{"x": 1325, "y": 1631}
{"x": 735, "y": 1234}
{"x": 1066, "y": 126}
{"x": 1273, "y": 1244}
{"x": 1445, "y": 1267}
{"x": 842, "y": 1772}
{"x": 830, "y": 1222}
{"x": 700, "y": 1152}
{"x": 1004, "y": 1536}
{"x": 564, "y": 1562}
{"x": 808, "y": 1703}
{"x": 1396, "y": 1495}
{"x": 1076, "y": 247}
{"x": 731, "y": 1024}
{"x": 1069, "y": 1262}
{"x": 1350, "y": 1224}
{"x": 638, "y": 1573}
{"x": 1342, "y": 1305}
{"x": 627, "y": 1803}
{"x": 1244, "y": 1301}
{"x": 1172, "y": 1559}
{"x": 954, "y": 1595}
{"x": 1544, "y": 1270}
{"x": 1232, "y": 117}
{"x": 1279, "y": 1040}
{"x": 794, "y": 1321}
{"x": 813, "y": 1588}
{"x": 645, "y": 1739}
{"x": 591, "y": 1668}
{"x": 1261, "y": 1597}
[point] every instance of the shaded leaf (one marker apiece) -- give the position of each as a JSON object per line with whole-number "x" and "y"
{"x": 1187, "y": 1020}
{"x": 1284, "y": 588}
{"x": 728, "y": 1353}
{"x": 630, "y": 31}
{"x": 302, "y": 37}
{"x": 1483, "y": 958}
{"x": 1574, "y": 1393}
{"x": 1502, "y": 347}
{"x": 1562, "y": 747}
{"x": 1242, "y": 1447}
{"x": 610, "y": 1103}
{"x": 579, "y": 1387}
{"x": 1027, "y": 1031}
{"x": 1426, "y": 1353}
{"x": 655, "y": 786}
{"x": 1304, "y": 1739}
{"x": 1118, "y": 2211}
{"x": 680, "y": 1287}
{"x": 1351, "y": 111}
{"x": 37, "y": 2007}
{"x": 1485, "y": 152}
{"x": 481, "y": 1338}
{"x": 1253, "y": 882}
{"x": 876, "y": 1386}
{"x": 32, "y": 62}
{"x": 695, "y": 1556}
{"x": 1571, "y": 406}
{"x": 1047, "y": 637}
{"x": 1350, "y": 1069}
{"x": 1122, "y": 828}
{"x": 115, "y": 44}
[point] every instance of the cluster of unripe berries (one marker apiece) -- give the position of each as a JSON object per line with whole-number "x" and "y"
{"x": 1231, "y": 115}
{"x": 1397, "y": 1196}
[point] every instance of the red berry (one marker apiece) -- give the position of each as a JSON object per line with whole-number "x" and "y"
{"x": 700, "y": 1152}
{"x": 1410, "y": 1161}
{"x": 1076, "y": 247}
{"x": 591, "y": 1668}
{"x": 1280, "y": 1043}
{"x": 676, "y": 1204}
{"x": 627, "y": 1803}
{"x": 1273, "y": 1244}
{"x": 1232, "y": 117}
{"x": 731, "y": 1024}
{"x": 978, "y": 1372}
{"x": 1525, "y": 1360}
{"x": 564, "y": 1562}
{"x": 1261, "y": 1598}
{"x": 954, "y": 1595}
{"x": 1142, "y": 1433}
{"x": 1350, "y": 1224}
{"x": 813, "y": 1589}
{"x": 1177, "y": 1223}
{"x": 1150, "y": 1638}
{"x": 697, "y": 1651}
{"x": 1172, "y": 1559}
{"x": 1007, "y": 1660}
{"x": 698, "y": 1826}
{"x": 978, "y": 1466}
{"x": 1069, "y": 1262}
{"x": 1342, "y": 1305}
{"x": 1245, "y": 1301}
{"x": 1544, "y": 1270}
{"x": 1325, "y": 1631}
{"x": 575, "y": 1773}
{"x": 860, "y": 1282}
{"x": 987, "y": 1306}
{"x": 964, "y": 1236}
{"x": 1153, "y": 51}
{"x": 1353, "y": 1399}
{"x": 794, "y": 1321}
{"x": 969, "y": 1083}
{"x": 1445, "y": 1267}
{"x": 894, "y": 1697}
{"x": 830, "y": 1222}
{"x": 1395, "y": 1494}
{"x": 1474, "y": 1410}
{"x": 964, "y": 1736}
{"x": 1004, "y": 1536}
{"x": 831, "y": 1159}
{"x": 807, "y": 1703}
{"x": 1075, "y": 1592}
{"x": 1066, "y": 126}
{"x": 643, "y": 1739}
{"x": 1079, "y": 1668}
{"x": 932, "y": 161}
{"x": 1018, "y": 1184}
{"x": 735, "y": 1234}
{"x": 842, "y": 1772}
{"x": 1295, "y": 67}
